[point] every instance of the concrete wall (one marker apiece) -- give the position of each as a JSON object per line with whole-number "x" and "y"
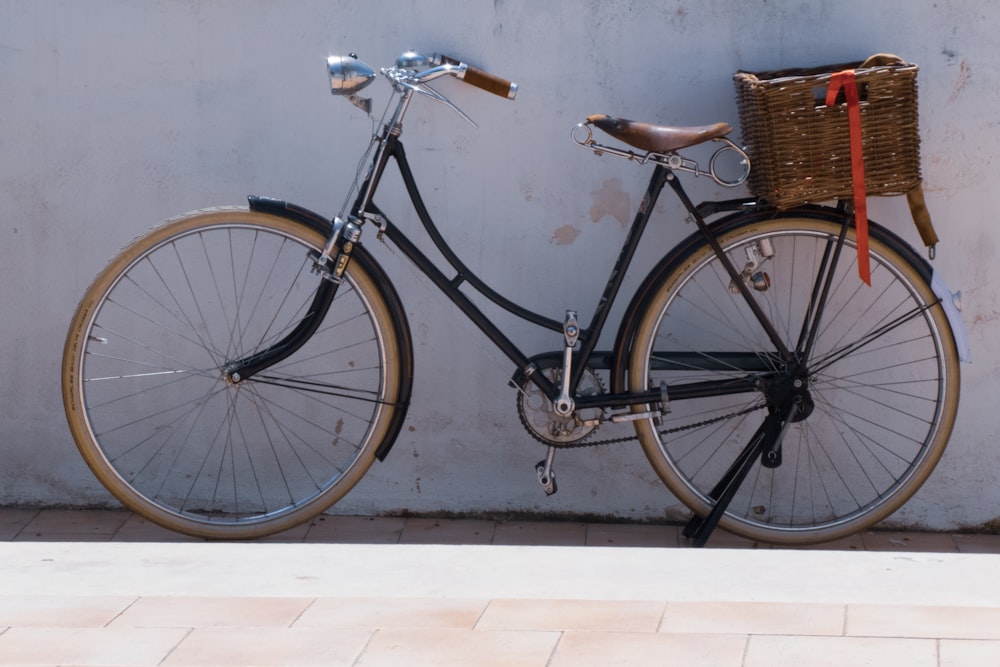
{"x": 115, "y": 115}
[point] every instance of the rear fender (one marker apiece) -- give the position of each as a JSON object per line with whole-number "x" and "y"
{"x": 630, "y": 321}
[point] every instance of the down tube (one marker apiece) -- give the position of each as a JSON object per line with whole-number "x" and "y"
{"x": 470, "y": 309}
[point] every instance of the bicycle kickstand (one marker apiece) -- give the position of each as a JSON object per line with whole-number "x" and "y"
{"x": 766, "y": 439}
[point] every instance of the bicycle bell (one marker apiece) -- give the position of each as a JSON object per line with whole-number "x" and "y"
{"x": 411, "y": 60}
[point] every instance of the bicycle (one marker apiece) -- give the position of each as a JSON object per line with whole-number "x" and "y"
{"x": 236, "y": 371}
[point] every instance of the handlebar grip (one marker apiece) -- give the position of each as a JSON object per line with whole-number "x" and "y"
{"x": 483, "y": 80}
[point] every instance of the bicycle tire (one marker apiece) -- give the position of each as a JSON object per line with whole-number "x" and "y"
{"x": 881, "y": 414}
{"x": 157, "y": 421}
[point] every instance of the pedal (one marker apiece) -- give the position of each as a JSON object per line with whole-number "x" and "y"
{"x": 546, "y": 475}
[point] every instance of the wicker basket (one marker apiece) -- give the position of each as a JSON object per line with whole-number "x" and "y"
{"x": 800, "y": 148}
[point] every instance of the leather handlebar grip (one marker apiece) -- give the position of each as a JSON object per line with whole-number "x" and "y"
{"x": 484, "y": 80}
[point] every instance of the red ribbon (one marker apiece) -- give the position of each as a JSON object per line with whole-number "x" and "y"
{"x": 845, "y": 80}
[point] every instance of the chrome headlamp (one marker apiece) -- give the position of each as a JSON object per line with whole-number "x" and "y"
{"x": 348, "y": 75}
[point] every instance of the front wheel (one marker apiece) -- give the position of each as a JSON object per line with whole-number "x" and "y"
{"x": 875, "y": 382}
{"x": 181, "y": 441}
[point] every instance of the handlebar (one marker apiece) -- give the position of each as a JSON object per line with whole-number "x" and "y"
{"x": 481, "y": 79}
{"x": 348, "y": 76}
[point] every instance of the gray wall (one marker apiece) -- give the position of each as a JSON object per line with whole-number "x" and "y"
{"x": 116, "y": 115}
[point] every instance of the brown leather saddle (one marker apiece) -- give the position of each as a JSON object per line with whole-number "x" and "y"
{"x": 657, "y": 138}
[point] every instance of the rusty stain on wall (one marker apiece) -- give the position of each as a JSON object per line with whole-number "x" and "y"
{"x": 611, "y": 200}
{"x": 565, "y": 235}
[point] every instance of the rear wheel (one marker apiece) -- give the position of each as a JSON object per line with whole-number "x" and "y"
{"x": 171, "y": 434}
{"x": 876, "y": 393}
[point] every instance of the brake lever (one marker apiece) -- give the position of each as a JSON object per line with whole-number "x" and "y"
{"x": 416, "y": 83}
{"x": 424, "y": 89}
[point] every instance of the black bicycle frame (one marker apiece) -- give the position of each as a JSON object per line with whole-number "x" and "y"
{"x": 365, "y": 208}
{"x": 589, "y": 336}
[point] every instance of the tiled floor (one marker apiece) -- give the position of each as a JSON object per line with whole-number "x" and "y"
{"x": 56, "y": 525}
{"x": 107, "y": 588}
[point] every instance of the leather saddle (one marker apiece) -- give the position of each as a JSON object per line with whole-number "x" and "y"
{"x": 657, "y": 138}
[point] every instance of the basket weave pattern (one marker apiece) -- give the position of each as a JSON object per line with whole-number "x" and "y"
{"x": 800, "y": 148}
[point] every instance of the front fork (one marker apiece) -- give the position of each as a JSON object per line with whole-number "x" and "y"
{"x": 331, "y": 270}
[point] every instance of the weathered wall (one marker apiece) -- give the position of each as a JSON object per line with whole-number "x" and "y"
{"x": 116, "y": 115}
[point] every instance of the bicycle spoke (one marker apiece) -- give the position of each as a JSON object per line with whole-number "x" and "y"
{"x": 873, "y": 376}
{"x": 182, "y": 442}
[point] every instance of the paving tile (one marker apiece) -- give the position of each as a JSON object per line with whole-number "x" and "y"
{"x": 61, "y": 611}
{"x": 60, "y": 525}
{"x": 923, "y": 621}
{"x": 720, "y": 539}
{"x": 201, "y": 612}
{"x": 754, "y": 618}
{"x": 461, "y": 648}
{"x": 133, "y": 647}
{"x": 137, "y": 529}
{"x": 849, "y": 543}
{"x": 556, "y": 615}
{"x": 782, "y": 651}
{"x": 628, "y": 649}
{"x": 13, "y": 520}
{"x": 444, "y": 531}
{"x": 631, "y": 535}
{"x": 293, "y": 535}
{"x": 540, "y": 533}
{"x": 375, "y": 613}
{"x": 920, "y": 542}
{"x": 967, "y": 653}
{"x": 336, "y": 529}
{"x": 26, "y": 536}
{"x": 977, "y": 544}
{"x": 222, "y": 647}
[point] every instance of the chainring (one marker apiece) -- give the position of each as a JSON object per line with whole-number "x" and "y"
{"x": 539, "y": 418}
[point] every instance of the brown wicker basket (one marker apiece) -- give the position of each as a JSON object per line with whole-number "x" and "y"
{"x": 800, "y": 148}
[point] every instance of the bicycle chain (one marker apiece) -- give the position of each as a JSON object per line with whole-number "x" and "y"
{"x": 678, "y": 429}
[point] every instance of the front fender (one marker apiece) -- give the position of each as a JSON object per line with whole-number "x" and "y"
{"x": 292, "y": 212}
{"x": 359, "y": 254}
